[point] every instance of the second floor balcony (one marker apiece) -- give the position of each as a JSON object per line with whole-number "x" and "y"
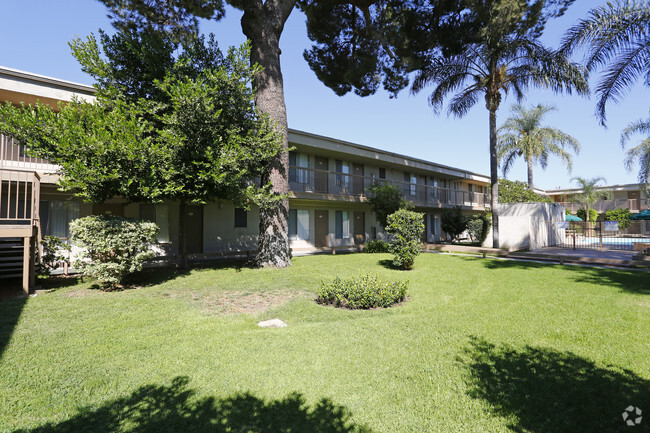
{"x": 309, "y": 180}
{"x": 634, "y": 205}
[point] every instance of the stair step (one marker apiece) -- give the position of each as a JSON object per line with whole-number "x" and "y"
{"x": 10, "y": 268}
{"x": 7, "y": 276}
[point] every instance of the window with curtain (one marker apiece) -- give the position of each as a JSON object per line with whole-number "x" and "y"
{"x": 342, "y": 223}
{"x": 299, "y": 224}
{"x": 56, "y": 217}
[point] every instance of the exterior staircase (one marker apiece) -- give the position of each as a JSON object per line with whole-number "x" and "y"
{"x": 11, "y": 258}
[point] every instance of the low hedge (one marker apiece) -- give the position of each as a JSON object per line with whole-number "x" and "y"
{"x": 376, "y": 246}
{"x": 362, "y": 292}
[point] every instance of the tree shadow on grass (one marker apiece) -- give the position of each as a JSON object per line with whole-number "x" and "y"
{"x": 176, "y": 408}
{"x": 634, "y": 281}
{"x": 10, "y": 310}
{"x": 549, "y": 391}
{"x": 157, "y": 275}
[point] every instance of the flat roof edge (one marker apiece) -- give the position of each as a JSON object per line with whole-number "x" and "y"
{"x": 374, "y": 149}
{"x": 47, "y": 80}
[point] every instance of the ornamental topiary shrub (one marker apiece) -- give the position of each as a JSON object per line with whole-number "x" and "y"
{"x": 361, "y": 292}
{"x": 112, "y": 246}
{"x": 406, "y": 229}
{"x": 376, "y": 246}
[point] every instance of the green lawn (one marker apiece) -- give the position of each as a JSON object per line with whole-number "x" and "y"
{"x": 481, "y": 345}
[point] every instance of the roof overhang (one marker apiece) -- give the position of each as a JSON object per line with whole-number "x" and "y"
{"x": 24, "y": 87}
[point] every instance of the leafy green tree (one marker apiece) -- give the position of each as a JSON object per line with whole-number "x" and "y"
{"x": 522, "y": 135}
{"x": 196, "y": 135}
{"x": 515, "y": 191}
{"x": 640, "y": 153}
{"x": 406, "y": 228}
{"x": 453, "y": 222}
{"x": 478, "y": 227}
{"x": 589, "y": 194}
{"x": 385, "y": 199}
{"x": 617, "y": 40}
{"x": 507, "y": 56}
{"x": 582, "y": 214}
{"x": 623, "y": 216}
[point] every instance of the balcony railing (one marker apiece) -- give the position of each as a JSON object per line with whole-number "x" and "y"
{"x": 13, "y": 156}
{"x": 19, "y": 197}
{"x": 605, "y": 205}
{"x": 346, "y": 184}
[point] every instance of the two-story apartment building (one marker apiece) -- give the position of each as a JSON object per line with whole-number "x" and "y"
{"x": 628, "y": 196}
{"x": 329, "y": 181}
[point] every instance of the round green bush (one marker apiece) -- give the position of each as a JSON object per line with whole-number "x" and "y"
{"x": 376, "y": 246}
{"x": 362, "y": 292}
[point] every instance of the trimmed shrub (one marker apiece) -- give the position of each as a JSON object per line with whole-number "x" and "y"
{"x": 593, "y": 215}
{"x": 53, "y": 249}
{"x": 376, "y": 246}
{"x": 361, "y": 292}
{"x": 478, "y": 226}
{"x": 113, "y": 246}
{"x": 406, "y": 228}
{"x": 453, "y": 222}
{"x": 623, "y": 216}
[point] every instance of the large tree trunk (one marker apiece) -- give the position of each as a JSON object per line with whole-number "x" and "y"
{"x": 182, "y": 238}
{"x": 262, "y": 24}
{"x": 494, "y": 177}
{"x": 529, "y": 163}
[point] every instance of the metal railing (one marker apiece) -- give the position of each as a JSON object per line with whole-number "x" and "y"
{"x": 13, "y": 155}
{"x": 604, "y": 235}
{"x": 346, "y": 184}
{"x": 19, "y": 197}
{"x": 605, "y": 205}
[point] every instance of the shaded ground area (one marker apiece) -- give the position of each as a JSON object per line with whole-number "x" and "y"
{"x": 544, "y": 390}
{"x": 175, "y": 408}
{"x": 569, "y": 252}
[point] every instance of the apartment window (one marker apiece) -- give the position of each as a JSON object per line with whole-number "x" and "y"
{"x": 411, "y": 180}
{"x": 382, "y": 173}
{"x": 159, "y": 214}
{"x": 298, "y": 167}
{"x": 434, "y": 223}
{"x": 298, "y": 224}
{"x": 342, "y": 224}
{"x": 342, "y": 167}
{"x": 56, "y": 217}
{"x": 241, "y": 217}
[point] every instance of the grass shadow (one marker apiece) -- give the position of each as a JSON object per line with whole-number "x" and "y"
{"x": 176, "y": 408}
{"x": 158, "y": 275}
{"x": 56, "y": 282}
{"x": 388, "y": 264}
{"x": 634, "y": 281}
{"x": 10, "y": 311}
{"x": 544, "y": 390}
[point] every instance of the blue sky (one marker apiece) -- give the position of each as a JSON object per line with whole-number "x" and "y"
{"x": 35, "y": 36}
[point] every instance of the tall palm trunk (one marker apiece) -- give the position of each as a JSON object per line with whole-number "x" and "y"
{"x": 494, "y": 177}
{"x": 529, "y": 163}
{"x": 262, "y": 24}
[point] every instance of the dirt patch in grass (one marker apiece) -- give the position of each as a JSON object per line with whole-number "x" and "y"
{"x": 244, "y": 302}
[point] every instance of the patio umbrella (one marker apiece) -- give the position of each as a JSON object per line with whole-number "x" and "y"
{"x": 645, "y": 215}
{"x": 572, "y": 218}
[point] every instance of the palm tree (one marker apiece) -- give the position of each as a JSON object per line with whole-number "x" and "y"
{"x": 506, "y": 56}
{"x": 640, "y": 152}
{"x": 525, "y": 137}
{"x": 617, "y": 36}
{"x": 589, "y": 194}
